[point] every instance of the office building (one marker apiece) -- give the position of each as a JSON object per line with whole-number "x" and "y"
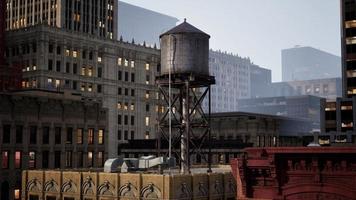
{"x": 307, "y": 63}
{"x": 329, "y": 88}
{"x": 260, "y": 81}
{"x": 142, "y": 25}
{"x": 232, "y": 75}
{"x": 48, "y": 130}
{"x": 300, "y": 107}
{"x": 94, "y": 17}
{"x": 338, "y": 117}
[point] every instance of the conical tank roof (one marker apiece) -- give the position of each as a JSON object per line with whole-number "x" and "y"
{"x": 184, "y": 27}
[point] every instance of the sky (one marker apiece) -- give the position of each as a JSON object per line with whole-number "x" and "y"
{"x": 259, "y": 29}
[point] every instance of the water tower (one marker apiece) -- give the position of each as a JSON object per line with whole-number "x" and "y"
{"x": 184, "y": 82}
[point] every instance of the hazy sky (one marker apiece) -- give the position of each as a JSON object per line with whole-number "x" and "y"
{"x": 259, "y": 29}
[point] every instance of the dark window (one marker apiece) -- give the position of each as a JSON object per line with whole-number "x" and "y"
{"x": 80, "y": 159}
{"x": 119, "y": 120}
{"x": 132, "y": 77}
{"x": 58, "y": 50}
{"x": 45, "y": 159}
{"x": 33, "y": 134}
{"x": 147, "y": 107}
{"x": 57, "y": 135}
{"x": 126, "y": 135}
{"x": 58, "y": 66}
{"x": 75, "y": 68}
{"x": 100, "y": 72}
{"x": 119, "y": 137}
{"x": 159, "y": 68}
{"x": 57, "y": 159}
{"x": 50, "y": 48}
{"x": 19, "y": 133}
{"x": 119, "y": 75}
{"x": 6, "y": 134}
{"x": 132, "y": 120}
{"x": 126, "y": 76}
{"x": 74, "y": 85}
{"x": 119, "y": 91}
{"x": 90, "y": 55}
{"x": 126, "y": 91}
{"x": 45, "y": 135}
{"x": 84, "y": 54}
{"x": 133, "y": 92}
{"x": 69, "y": 138}
{"x": 99, "y": 88}
{"x": 67, "y": 67}
{"x": 50, "y": 65}
{"x": 126, "y": 119}
{"x": 34, "y": 197}
{"x": 132, "y": 135}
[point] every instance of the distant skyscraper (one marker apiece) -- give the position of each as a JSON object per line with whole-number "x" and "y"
{"x": 307, "y": 63}
{"x": 141, "y": 24}
{"x": 95, "y": 17}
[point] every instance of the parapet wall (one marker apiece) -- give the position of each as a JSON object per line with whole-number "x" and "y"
{"x": 71, "y": 185}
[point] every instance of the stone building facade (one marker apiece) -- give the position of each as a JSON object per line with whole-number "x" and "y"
{"x": 94, "y": 185}
{"x": 41, "y": 130}
{"x": 118, "y": 74}
{"x": 95, "y": 17}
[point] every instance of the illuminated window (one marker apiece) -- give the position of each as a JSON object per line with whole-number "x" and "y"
{"x": 68, "y": 159}
{"x": 101, "y": 136}
{"x": 126, "y": 105}
{"x": 90, "y": 159}
{"x": 90, "y": 136}
{"x": 147, "y": 121}
{"x": 5, "y": 159}
{"x": 90, "y": 71}
{"x": 147, "y": 95}
{"x": 119, "y": 61}
{"x": 119, "y": 105}
{"x": 147, "y": 66}
{"x": 90, "y": 87}
{"x": 34, "y": 67}
{"x": 99, "y": 59}
{"x": 17, "y": 194}
{"x": 147, "y": 79}
{"x": 32, "y": 160}
{"x": 157, "y": 108}
{"x": 67, "y": 52}
{"x": 79, "y": 136}
{"x": 49, "y": 81}
{"x": 147, "y": 135}
{"x": 58, "y": 83}
{"x": 126, "y": 62}
{"x": 132, "y": 107}
{"x": 132, "y": 63}
{"x": 18, "y": 159}
{"x": 100, "y": 161}
{"x": 82, "y": 87}
{"x": 75, "y": 54}
{"x": 82, "y": 72}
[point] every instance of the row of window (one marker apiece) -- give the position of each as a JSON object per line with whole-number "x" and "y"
{"x": 58, "y": 135}
{"x": 132, "y": 135}
{"x": 32, "y": 159}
